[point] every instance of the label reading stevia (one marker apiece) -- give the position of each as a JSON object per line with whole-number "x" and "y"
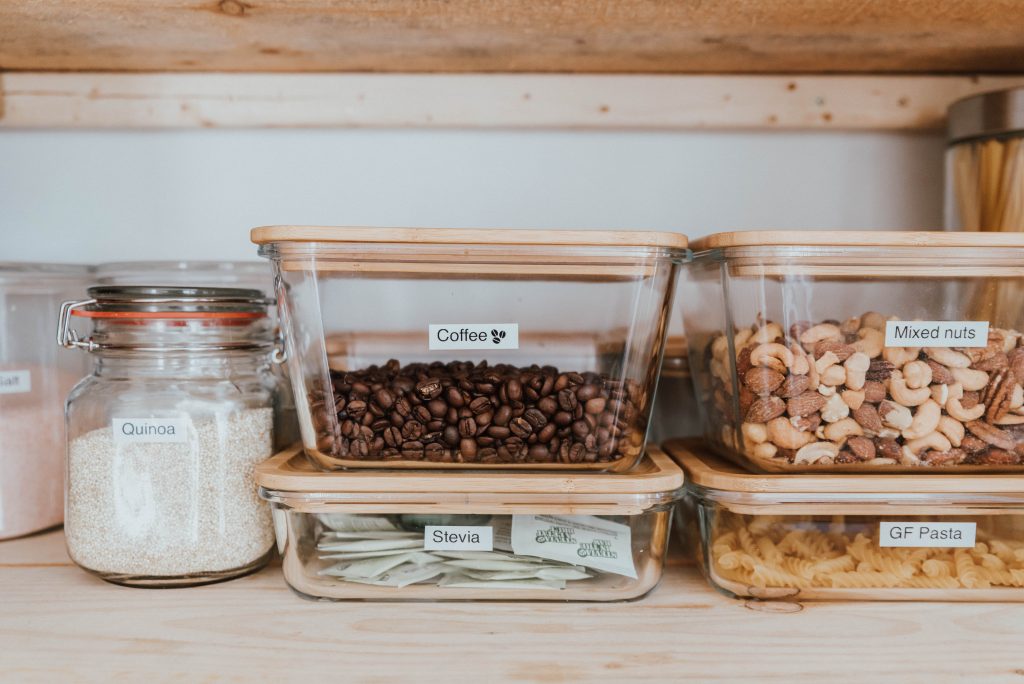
{"x": 578, "y": 539}
{"x": 15, "y": 382}
{"x": 474, "y": 336}
{"x": 149, "y": 430}
{"x": 458, "y": 538}
{"x": 951, "y": 535}
{"x": 936, "y": 333}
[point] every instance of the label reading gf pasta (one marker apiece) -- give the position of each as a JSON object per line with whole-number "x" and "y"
{"x": 936, "y": 333}
{"x": 946, "y": 535}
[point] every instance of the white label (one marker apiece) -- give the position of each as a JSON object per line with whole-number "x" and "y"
{"x": 458, "y": 538}
{"x": 578, "y": 539}
{"x": 149, "y": 430}
{"x": 936, "y": 333}
{"x": 944, "y": 535}
{"x": 474, "y": 336}
{"x": 15, "y": 382}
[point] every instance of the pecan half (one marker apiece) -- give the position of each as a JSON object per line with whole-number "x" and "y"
{"x": 998, "y": 395}
{"x": 764, "y": 409}
{"x": 1016, "y": 359}
{"x": 993, "y": 347}
{"x": 998, "y": 457}
{"x": 972, "y": 444}
{"x": 991, "y": 434}
{"x": 762, "y": 381}
{"x": 992, "y": 363}
{"x": 805, "y": 404}
{"x": 944, "y": 458}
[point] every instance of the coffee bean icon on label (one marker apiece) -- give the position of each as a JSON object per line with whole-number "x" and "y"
{"x": 497, "y": 336}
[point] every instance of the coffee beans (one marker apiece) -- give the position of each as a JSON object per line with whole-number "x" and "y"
{"x": 462, "y": 412}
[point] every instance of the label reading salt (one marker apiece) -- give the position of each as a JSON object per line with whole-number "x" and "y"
{"x": 951, "y": 535}
{"x": 458, "y": 538}
{"x": 149, "y": 430}
{"x": 578, "y": 539}
{"x": 473, "y": 336}
{"x": 15, "y": 382}
{"x": 936, "y": 333}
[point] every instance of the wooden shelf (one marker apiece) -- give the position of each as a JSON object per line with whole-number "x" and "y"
{"x": 625, "y": 36}
{"x": 61, "y": 624}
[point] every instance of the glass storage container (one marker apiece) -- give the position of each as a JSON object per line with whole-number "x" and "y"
{"x": 165, "y": 434}
{"x": 430, "y": 535}
{"x": 492, "y": 345}
{"x": 839, "y": 351}
{"x": 33, "y": 383}
{"x": 853, "y": 536}
{"x": 675, "y": 412}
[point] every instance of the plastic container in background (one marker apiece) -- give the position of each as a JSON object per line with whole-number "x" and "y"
{"x": 34, "y": 380}
{"x": 437, "y": 536}
{"x": 842, "y": 350}
{"x": 422, "y": 348}
{"x": 164, "y": 435}
{"x": 853, "y": 536}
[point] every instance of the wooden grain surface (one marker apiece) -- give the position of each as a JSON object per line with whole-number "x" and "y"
{"x": 650, "y": 36}
{"x": 512, "y": 101}
{"x": 59, "y": 624}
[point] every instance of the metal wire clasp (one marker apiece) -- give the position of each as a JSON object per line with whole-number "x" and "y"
{"x": 67, "y": 337}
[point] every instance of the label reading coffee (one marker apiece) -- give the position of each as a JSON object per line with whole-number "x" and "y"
{"x": 951, "y": 535}
{"x": 15, "y": 382}
{"x": 936, "y": 333}
{"x": 578, "y": 539}
{"x": 474, "y": 336}
{"x": 149, "y": 430}
{"x": 458, "y": 538}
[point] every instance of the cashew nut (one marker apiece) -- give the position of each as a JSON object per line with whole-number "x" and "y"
{"x": 940, "y": 394}
{"x": 840, "y": 430}
{"x": 926, "y": 420}
{"x": 834, "y": 376}
{"x": 835, "y": 409}
{"x": 917, "y": 374}
{"x": 769, "y": 332}
{"x": 719, "y": 347}
{"x": 956, "y": 410}
{"x": 784, "y": 435}
{"x": 903, "y": 394}
{"x": 947, "y": 357}
{"x": 812, "y": 453}
{"x": 826, "y": 390}
{"x": 1017, "y": 398}
{"x": 1010, "y": 339}
{"x": 755, "y": 432}
{"x": 872, "y": 319}
{"x": 908, "y": 457}
{"x": 817, "y": 333}
{"x": 856, "y": 370}
{"x": 953, "y": 430}
{"x": 871, "y": 342}
{"x": 801, "y": 363}
{"x": 1011, "y": 419}
{"x": 894, "y": 415}
{"x": 972, "y": 380}
{"x": 765, "y": 450}
{"x": 934, "y": 441}
{"x": 955, "y": 391}
{"x": 773, "y": 355}
{"x": 850, "y": 325}
{"x": 898, "y": 356}
{"x": 853, "y": 398}
{"x": 827, "y": 360}
{"x": 740, "y": 339}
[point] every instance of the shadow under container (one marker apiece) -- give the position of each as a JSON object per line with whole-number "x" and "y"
{"x": 859, "y": 351}
{"x": 401, "y": 536}
{"x": 449, "y": 349}
{"x": 852, "y": 536}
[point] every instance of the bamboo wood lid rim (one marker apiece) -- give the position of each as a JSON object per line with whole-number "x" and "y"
{"x": 857, "y": 238}
{"x": 289, "y": 471}
{"x": 704, "y": 469}
{"x": 468, "y": 236}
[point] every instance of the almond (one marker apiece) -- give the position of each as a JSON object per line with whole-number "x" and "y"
{"x": 764, "y": 409}
{"x": 940, "y": 374}
{"x": 842, "y": 351}
{"x": 762, "y": 381}
{"x": 793, "y": 385}
{"x": 743, "y": 360}
{"x": 746, "y": 399}
{"x": 879, "y": 370}
{"x": 888, "y": 448}
{"x": 808, "y": 423}
{"x": 867, "y": 417}
{"x": 862, "y": 447}
{"x": 805, "y": 404}
{"x": 874, "y": 392}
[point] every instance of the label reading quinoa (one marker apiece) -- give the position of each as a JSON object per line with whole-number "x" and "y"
{"x": 458, "y": 538}
{"x": 15, "y": 382}
{"x": 149, "y": 430}
{"x": 952, "y": 535}
{"x": 473, "y": 336}
{"x": 578, "y": 539}
{"x": 936, "y": 333}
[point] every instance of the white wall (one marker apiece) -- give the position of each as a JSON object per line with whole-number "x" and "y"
{"x": 100, "y": 196}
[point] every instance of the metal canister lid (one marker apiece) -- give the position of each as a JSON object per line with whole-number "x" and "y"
{"x": 986, "y": 115}
{"x": 174, "y": 300}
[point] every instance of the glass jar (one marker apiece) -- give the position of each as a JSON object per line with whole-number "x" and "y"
{"x": 33, "y": 383}
{"x": 165, "y": 434}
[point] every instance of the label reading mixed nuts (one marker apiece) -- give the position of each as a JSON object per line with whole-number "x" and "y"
{"x": 581, "y": 539}
{"x": 473, "y": 336}
{"x": 951, "y": 535}
{"x": 15, "y": 382}
{"x": 149, "y": 430}
{"x": 936, "y": 333}
{"x": 458, "y": 538}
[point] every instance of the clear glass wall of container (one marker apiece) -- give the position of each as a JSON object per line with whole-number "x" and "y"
{"x": 429, "y": 536}
{"x": 423, "y": 348}
{"x": 165, "y": 434}
{"x": 852, "y": 351}
{"x": 34, "y": 380}
{"x": 853, "y": 537}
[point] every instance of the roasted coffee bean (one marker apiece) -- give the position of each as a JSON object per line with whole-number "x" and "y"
{"x": 412, "y": 430}
{"x": 480, "y": 405}
{"x": 422, "y": 414}
{"x": 580, "y": 429}
{"x": 514, "y": 390}
{"x": 547, "y": 433}
{"x": 535, "y": 418}
{"x": 437, "y": 408}
{"x": 548, "y": 406}
{"x": 451, "y": 435}
{"x": 498, "y": 431}
{"x": 356, "y": 409}
{"x": 587, "y": 392}
{"x": 563, "y": 419}
{"x": 468, "y": 449}
{"x": 521, "y": 427}
{"x": 413, "y": 450}
{"x": 467, "y": 427}
{"x": 429, "y": 388}
{"x": 454, "y": 397}
{"x": 503, "y": 415}
{"x": 384, "y": 398}
{"x": 595, "y": 405}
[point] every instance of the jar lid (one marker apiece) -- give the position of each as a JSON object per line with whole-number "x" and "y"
{"x": 986, "y": 115}
{"x": 134, "y": 301}
{"x": 857, "y": 238}
{"x": 191, "y": 273}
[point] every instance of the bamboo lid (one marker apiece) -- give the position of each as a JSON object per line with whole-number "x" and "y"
{"x": 290, "y": 471}
{"x": 475, "y": 236}
{"x": 986, "y": 115}
{"x": 856, "y": 238}
{"x": 704, "y": 469}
